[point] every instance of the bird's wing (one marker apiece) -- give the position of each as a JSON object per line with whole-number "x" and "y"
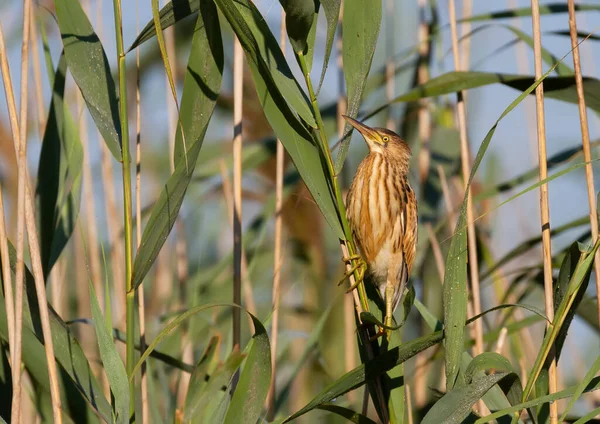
{"x": 409, "y": 247}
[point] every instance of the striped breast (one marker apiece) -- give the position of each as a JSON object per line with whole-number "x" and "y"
{"x": 382, "y": 213}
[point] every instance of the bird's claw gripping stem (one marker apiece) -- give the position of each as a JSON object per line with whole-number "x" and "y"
{"x": 360, "y": 267}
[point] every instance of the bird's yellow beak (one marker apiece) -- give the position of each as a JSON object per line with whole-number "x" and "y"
{"x": 371, "y": 136}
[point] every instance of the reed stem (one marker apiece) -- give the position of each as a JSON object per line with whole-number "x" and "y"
{"x": 544, "y": 202}
{"x": 585, "y": 141}
{"x": 127, "y": 208}
{"x": 349, "y": 243}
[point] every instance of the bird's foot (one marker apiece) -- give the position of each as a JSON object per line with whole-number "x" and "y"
{"x": 360, "y": 267}
{"x": 381, "y": 331}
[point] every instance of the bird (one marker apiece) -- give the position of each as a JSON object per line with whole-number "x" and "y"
{"x": 382, "y": 212}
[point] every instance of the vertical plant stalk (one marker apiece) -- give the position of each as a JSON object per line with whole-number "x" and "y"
{"x": 127, "y": 220}
{"x": 528, "y": 103}
{"x": 466, "y": 171}
{"x": 238, "y": 86}
{"x": 424, "y": 161}
{"x": 409, "y": 403}
{"x": 390, "y": 65}
{"x": 112, "y": 215}
{"x": 585, "y": 140}
{"x": 37, "y": 79}
{"x": 545, "y": 208}
{"x": 424, "y": 117}
{"x": 20, "y": 265}
{"x": 349, "y": 321}
{"x": 138, "y": 218}
{"x": 278, "y": 260}
{"x": 347, "y": 246}
{"x": 228, "y": 194}
{"x": 25, "y": 206}
{"x": 465, "y": 56}
{"x": 9, "y": 299}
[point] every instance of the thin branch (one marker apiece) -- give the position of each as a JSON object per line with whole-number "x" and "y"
{"x": 585, "y": 141}
{"x": 466, "y": 171}
{"x": 545, "y": 209}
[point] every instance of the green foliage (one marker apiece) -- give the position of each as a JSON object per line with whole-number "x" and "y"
{"x": 89, "y": 66}
{"x": 59, "y": 174}
{"x": 362, "y": 20}
{"x": 201, "y": 87}
{"x": 198, "y": 376}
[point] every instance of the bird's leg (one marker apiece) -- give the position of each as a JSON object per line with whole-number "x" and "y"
{"x": 389, "y": 306}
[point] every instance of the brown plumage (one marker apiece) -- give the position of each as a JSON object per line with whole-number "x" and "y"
{"x": 382, "y": 213}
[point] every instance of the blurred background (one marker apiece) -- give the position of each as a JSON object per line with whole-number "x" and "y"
{"x": 194, "y": 266}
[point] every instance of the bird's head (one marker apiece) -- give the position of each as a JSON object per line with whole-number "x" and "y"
{"x": 383, "y": 141}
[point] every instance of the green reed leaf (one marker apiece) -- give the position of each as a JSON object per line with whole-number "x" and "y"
{"x": 362, "y": 21}
{"x": 90, "y": 69}
{"x": 59, "y": 175}
{"x": 201, "y": 87}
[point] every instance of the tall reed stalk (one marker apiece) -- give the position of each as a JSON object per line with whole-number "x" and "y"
{"x": 127, "y": 207}
{"x": 465, "y": 159}
{"x": 544, "y": 204}
{"x": 585, "y": 141}
{"x": 278, "y": 259}
{"x": 138, "y": 219}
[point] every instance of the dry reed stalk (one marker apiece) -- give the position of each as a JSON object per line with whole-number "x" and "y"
{"x": 466, "y": 170}
{"x": 238, "y": 81}
{"x": 138, "y": 219}
{"x": 437, "y": 251}
{"x": 9, "y": 300}
{"x": 37, "y": 79}
{"x": 409, "y": 413}
{"x": 16, "y": 348}
{"x": 424, "y": 116}
{"x": 390, "y": 65}
{"x": 25, "y": 204}
{"x": 544, "y": 206}
{"x": 447, "y": 198}
{"x": 278, "y": 259}
{"x": 56, "y": 282}
{"x": 528, "y": 103}
{"x": 465, "y": 54}
{"x": 585, "y": 141}
{"x": 247, "y": 287}
{"x": 501, "y": 340}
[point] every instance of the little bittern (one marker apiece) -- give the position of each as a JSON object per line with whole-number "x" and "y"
{"x": 382, "y": 213}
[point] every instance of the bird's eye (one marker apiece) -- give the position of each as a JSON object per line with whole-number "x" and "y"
{"x": 385, "y": 139}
